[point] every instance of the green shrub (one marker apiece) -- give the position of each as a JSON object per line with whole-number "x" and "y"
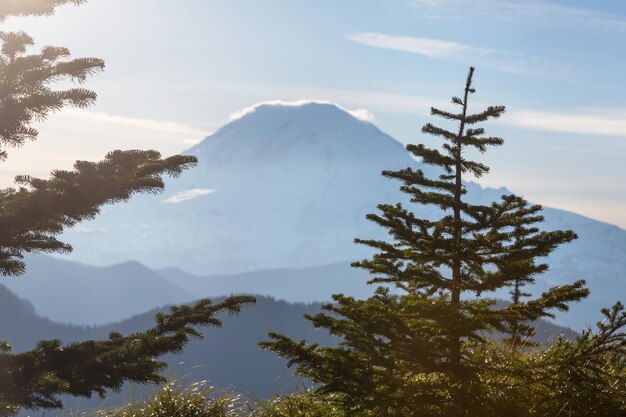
{"x": 196, "y": 400}
{"x": 173, "y": 400}
{"x": 301, "y": 404}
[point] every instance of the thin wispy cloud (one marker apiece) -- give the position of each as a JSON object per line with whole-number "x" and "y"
{"x": 518, "y": 10}
{"x": 361, "y": 114}
{"x": 443, "y": 49}
{"x": 433, "y": 48}
{"x": 147, "y": 124}
{"x": 188, "y": 195}
{"x": 574, "y": 122}
{"x": 90, "y": 135}
{"x": 192, "y": 141}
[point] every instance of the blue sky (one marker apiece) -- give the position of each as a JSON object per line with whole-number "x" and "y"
{"x": 177, "y": 71}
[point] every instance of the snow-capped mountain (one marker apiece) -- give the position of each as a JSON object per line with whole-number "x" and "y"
{"x": 288, "y": 187}
{"x": 283, "y": 186}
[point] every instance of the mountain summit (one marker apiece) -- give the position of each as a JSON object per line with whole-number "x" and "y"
{"x": 281, "y": 186}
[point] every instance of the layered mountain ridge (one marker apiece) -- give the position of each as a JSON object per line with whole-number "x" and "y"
{"x": 228, "y": 357}
{"x": 289, "y": 187}
{"x": 72, "y": 292}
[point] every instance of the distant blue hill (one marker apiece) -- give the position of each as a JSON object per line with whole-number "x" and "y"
{"x": 71, "y": 292}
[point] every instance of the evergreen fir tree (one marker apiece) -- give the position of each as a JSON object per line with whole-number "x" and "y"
{"x": 34, "y": 214}
{"x": 520, "y": 266}
{"x": 409, "y": 352}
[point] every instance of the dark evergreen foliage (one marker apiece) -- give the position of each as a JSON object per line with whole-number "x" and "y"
{"x": 522, "y": 270}
{"x": 25, "y": 85}
{"x": 580, "y": 377}
{"x": 34, "y": 214}
{"x": 35, "y": 379}
{"x": 31, "y": 7}
{"x": 411, "y": 352}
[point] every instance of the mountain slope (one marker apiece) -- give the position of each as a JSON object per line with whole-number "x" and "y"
{"x": 21, "y": 327}
{"x": 289, "y": 187}
{"x": 308, "y": 285}
{"x": 70, "y": 292}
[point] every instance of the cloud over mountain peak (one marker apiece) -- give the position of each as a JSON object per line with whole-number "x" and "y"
{"x": 361, "y": 114}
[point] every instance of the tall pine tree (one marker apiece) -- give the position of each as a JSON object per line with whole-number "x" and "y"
{"x": 35, "y": 213}
{"x": 409, "y": 352}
